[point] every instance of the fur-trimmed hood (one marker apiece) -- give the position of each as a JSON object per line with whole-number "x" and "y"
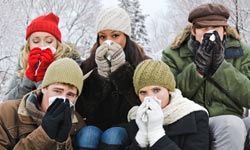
{"x": 183, "y": 36}
{"x": 71, "y": 51}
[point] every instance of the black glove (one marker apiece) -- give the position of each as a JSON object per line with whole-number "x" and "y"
{"x": 218, "y": 53}
{"x": 64, "y": 128}
{"x": 56, "y": 119}
{"x": 203, "y": 56}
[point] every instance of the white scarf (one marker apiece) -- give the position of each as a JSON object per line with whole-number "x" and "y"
{"x": 178, "y": 107}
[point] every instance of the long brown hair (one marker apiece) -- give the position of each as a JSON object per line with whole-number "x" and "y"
{"x": 133, "y": 52}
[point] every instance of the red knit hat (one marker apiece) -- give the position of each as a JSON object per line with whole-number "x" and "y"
{"x": 47, "y": 23}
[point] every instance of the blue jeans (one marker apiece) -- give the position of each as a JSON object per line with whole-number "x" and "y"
{"x": 91, "y": 137}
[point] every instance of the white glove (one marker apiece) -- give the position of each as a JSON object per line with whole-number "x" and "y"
{"x": 117, "y": 56}
{"x": 155, "y": 122}
{"x": 141, "y": 136}
{"x": 103, "y": 67}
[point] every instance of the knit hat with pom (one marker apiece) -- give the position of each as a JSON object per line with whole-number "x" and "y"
{"x": 64, "y": 70}
{"x": 113, "y": 18}
{"x": 47, "y": 23}
{"x": 153, "y": 72}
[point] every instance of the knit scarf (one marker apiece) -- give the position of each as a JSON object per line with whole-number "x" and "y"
{"x": 29, "y": 107}
{"x": 178, "y": 107}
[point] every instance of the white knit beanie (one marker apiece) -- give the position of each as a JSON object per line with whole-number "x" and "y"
{"x": 113, "y": 18}
{"x": 64, "y": 70}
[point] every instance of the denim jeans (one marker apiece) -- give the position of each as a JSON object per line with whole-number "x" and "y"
{"x": 91, "y": 136}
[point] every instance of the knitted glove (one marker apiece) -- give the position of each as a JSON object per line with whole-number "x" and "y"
{"x": 56, "y": 119}
{"x": 141, "y": 135}
{"x": 155, "y": 122}
{"x": 218, "y": 53}
{"x": 203, "y": 56}
{"x": 46, "y": 59}
{"x": 117, "y": 56}
{"x": 33, "y": 61}
{"x": 103, "y": 66}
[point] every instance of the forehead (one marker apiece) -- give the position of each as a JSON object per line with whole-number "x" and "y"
{"x": 109, "y": 31}
{"x": 41, "y": 34}
{"x": 149, "y": 87}
{"x": 63, "y": 87}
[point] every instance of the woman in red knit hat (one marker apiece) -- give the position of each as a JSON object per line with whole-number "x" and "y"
{"x": 43, "y": 46}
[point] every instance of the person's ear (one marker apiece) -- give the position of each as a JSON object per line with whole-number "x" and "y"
{"x": 193, "y": 31}
{"x": 43, "y": 90}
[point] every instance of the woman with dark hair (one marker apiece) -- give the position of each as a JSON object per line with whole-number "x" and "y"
{"x": 108, "y": 91}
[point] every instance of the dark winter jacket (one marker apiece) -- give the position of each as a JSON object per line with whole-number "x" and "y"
{"x": 105, "y": 102}
{"x": 227, "y": 91}
{"x": 188, "y": 133}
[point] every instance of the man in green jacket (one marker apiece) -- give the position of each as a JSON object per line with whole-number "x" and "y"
{"x": 45, "y": 118}
{"x": 212, "y": 67}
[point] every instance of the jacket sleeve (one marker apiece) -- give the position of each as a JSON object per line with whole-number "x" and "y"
{"x": 199, "y": 140}
{"x": 38, "y": 139}
{"x": 19, "y": 87}
{"x": 186, "y": 75}
{"x": 229, "y": 79}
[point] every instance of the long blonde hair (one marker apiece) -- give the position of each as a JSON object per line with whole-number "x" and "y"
{"x": 61, "y": 49}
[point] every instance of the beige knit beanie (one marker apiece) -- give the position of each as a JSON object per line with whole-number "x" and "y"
{"x": 153, "y": 72}
{"x": 64, "y": 70}
{"x": 113, "y": 18}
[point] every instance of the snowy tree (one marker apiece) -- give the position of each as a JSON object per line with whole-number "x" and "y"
{"x": 139, "y": 33}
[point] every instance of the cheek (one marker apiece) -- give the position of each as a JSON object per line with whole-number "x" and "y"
{"x": 164, "y": 97}
{"x": 199, "y": 37}
{"x": 53, "y": 44}
{"x": 33, "y": 45}
{"x": 141, "y": 98}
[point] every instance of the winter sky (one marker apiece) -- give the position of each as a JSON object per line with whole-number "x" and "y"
{"x": 151, "y": 7}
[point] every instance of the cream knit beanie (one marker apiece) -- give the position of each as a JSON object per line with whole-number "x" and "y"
{"x": 64, "y": 70}
{"x": 113, "y": 18}
{"x": 153, "y": 72}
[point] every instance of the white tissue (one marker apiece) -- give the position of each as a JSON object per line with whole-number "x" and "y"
{"x": 53, "y": 98}
{"x": 53, "y": 50}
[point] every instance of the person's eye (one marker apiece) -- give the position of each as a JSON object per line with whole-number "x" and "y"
{"x": 35, "y": 40}
{"x": 71, "y": 95}
{"x": 156, "y": 90}
{"x": 115, "y": 35}
{"x": 101, "y": 37}
{"x": 57, "y": 91}
{"x": 142, "y": 93}
{"x": 49, "y": 41}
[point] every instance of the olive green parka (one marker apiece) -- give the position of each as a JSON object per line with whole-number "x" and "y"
{"x": 227, "y": 91}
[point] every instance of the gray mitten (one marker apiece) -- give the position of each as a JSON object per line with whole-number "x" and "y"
{"x": 117, "y": 56}
{"x": 103, "y": 67}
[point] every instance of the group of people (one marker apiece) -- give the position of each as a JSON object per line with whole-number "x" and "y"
{"x": 120, "y": 98}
